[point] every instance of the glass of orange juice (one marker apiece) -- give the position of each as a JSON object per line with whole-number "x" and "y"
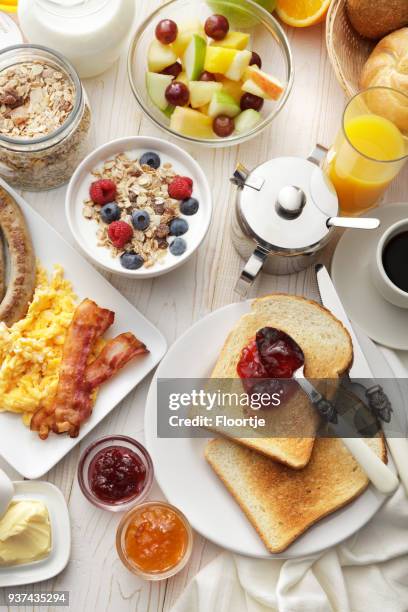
{"x": 370, "y": 148}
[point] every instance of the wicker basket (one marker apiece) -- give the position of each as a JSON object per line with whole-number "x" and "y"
{"x": 348, "y": 51}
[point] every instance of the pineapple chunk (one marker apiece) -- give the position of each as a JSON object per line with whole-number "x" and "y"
{"x": 191, "y": 123}
{"x": 218, "y": 59}
{"x": 233, "y": 40}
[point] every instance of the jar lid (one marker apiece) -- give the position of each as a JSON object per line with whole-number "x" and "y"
{"x": 286, "y": 203}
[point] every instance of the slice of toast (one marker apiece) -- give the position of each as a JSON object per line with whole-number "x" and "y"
{"x": 282, "y": 503}
{"x": 328, "y": 352}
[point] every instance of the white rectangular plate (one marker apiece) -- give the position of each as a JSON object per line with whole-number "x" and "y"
{"x": 60, "y": 534}
{"x": 20, "y": 447}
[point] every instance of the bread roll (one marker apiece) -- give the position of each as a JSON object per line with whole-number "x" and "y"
{"x": 388, "y": 66}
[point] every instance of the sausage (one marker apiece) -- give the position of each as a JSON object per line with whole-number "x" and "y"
{"x": 21, "y": 282}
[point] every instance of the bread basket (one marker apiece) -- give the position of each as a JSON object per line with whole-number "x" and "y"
{"x": 348, "y": 51}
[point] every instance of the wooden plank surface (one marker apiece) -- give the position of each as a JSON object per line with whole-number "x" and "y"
{"x": 95, "y": 577}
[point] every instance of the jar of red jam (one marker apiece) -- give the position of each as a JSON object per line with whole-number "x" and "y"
{"x": 154, "y": 540}
{"x": 115, "y": 472}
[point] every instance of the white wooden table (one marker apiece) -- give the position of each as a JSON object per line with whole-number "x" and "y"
{"x": 95, "y": 577}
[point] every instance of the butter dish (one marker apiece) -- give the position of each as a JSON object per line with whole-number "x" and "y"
{"x": 58, "y": 557}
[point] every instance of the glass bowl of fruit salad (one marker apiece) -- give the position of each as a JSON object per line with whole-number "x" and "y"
{"x": 213, "y": 72}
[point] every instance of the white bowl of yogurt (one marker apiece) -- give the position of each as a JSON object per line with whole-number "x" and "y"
{"x": 170, "y": 229}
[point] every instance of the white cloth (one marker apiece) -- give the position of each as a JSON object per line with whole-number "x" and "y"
{"x": 366, "y": 573}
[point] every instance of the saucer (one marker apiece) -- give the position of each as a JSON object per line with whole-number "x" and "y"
{"x": 380, "y": 320}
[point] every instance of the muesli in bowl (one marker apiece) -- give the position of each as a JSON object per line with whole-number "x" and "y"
{"x": 44, "y": 118}
{"x": 139, "y": 206}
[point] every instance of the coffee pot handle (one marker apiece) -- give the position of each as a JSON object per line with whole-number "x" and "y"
{"x": 252, "y": 268}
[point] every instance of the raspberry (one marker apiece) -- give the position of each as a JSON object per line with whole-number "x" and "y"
{"x": 120, "y": 233}
{"x": 181, "y": 188}
{"x": 102, "y": 191}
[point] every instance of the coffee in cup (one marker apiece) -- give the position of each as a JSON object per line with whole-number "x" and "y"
{"x": 389, "y": 269}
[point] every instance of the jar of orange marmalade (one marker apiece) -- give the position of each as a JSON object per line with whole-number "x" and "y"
{"x": 154, "y": 540}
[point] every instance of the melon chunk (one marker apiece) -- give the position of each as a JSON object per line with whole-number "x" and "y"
{"x": 201, "y": 92}
{"x": 247, "y": 120}
{"x": 185, "y": 34}
{"x": 191, "y": 123}
{"x": 223, "y": 104}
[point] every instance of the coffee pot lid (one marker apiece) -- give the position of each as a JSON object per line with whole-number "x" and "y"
{"x": 285, "y": 203}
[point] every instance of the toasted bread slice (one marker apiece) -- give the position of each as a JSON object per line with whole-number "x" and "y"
{"x": 282, "y": 503}
{"x": 328, "y": 352}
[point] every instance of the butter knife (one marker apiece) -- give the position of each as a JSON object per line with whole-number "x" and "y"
{"x": 375, "y": 395}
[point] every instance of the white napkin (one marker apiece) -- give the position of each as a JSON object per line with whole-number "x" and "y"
{"x": 366, "y": 573}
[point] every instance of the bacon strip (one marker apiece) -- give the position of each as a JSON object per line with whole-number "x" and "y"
{"x": 114, "y": 356}
{"x": 73, "y": 403}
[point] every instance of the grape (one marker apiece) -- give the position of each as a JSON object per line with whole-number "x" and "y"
{"x": 177, "y": 94}
{"x": 173, "y": 70}
{"x": 223, "y": 126}
{"x": 255, "y": 59}
{"x": 216, "y": 27}
{"x": 207, "y": 76}
{"x": 250, "y": 101}
{"x": 166, "y": 31}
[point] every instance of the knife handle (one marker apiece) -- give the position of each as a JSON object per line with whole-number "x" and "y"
{"x": 399, "y": 452}
{"x": 380, "y": 475}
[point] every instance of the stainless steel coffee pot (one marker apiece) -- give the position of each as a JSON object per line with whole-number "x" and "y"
{"x": 286, "y": 211}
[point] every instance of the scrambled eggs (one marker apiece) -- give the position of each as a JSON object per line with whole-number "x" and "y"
{"x": 31, "y": 349}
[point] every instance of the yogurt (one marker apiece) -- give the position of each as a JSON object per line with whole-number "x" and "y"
{"x": 89, "y": 33}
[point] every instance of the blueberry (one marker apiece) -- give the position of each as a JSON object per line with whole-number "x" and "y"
{"x": 131, "y": 260}
{"x": 150, "y": 159}
{"x": 110, "y": 212}
{"x": 140, "y": 219}
{"x": 178, "y": 227}
{"x": 178, "y": 246}
{"x": 189, "y": 206}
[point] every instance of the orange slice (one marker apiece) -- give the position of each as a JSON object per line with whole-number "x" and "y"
{"x": 302, "y": 13}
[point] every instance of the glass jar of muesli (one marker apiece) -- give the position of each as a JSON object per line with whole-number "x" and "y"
{"x": 44, "y": 118}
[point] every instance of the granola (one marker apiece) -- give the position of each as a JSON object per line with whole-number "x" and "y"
{"x": 141, "y": 195}
{"x": 37, "y": 101}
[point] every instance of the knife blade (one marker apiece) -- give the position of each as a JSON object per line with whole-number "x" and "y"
{"x": 360, "y": 367}
{"x": 331, "y": 301}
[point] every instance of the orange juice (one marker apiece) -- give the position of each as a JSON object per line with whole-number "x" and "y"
{"x": 367, "y": 154}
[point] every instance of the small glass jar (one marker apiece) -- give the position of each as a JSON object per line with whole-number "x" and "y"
{"x": 96, "y": 449}
{"x": 130, "y": 521}
{"x": 48, "y": 161}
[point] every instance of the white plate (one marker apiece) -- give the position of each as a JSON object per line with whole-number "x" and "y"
{"x": 190, "y": 484}
{"x": 20, "y": 447}
{"x": 61, "y": 536}
{"x": 84, "y": 231}
{"x": 380, "y": 320}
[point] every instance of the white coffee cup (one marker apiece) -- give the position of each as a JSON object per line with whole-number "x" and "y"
{"x": 381, "y": 280}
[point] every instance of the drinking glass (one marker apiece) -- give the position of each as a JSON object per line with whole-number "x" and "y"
{"x": 370, "y": 148}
